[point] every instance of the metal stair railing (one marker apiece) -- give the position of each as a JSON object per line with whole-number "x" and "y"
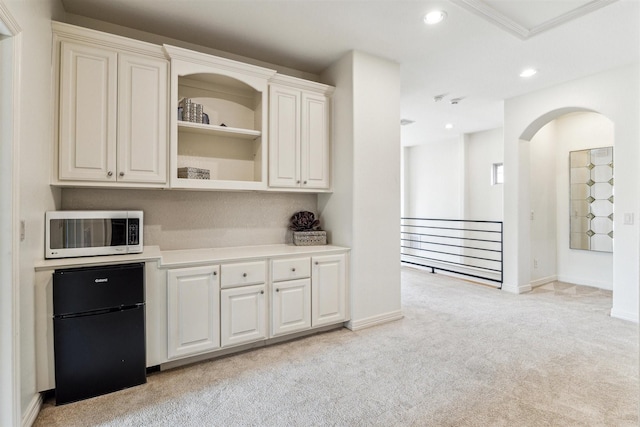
{"x": 465, "y": 247}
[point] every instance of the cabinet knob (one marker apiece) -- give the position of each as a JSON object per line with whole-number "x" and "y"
{"x": 262, "y": 292}
{"x": 215, "y": 273}
{"x": 305, "y": 183}
{"x": 277, "y": 290}
{"x": 298, "y": 182}
{"x": 244, "y": 274}
{"x": 109, "y": 173}
{"x": 121, "y": 173}
{"x": 293, "y": 269}
{"x": 317, "y": 263}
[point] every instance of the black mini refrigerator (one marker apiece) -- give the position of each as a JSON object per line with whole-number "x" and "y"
{"x": 98, "y": 327}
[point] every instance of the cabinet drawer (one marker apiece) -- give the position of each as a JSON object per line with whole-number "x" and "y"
{"x": 290, "y": 269}
{"x": 242, "y": 274}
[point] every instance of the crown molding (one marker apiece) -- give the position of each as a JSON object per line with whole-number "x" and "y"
{"x": 8, "y": 25}
{"x": 484, "y": 10}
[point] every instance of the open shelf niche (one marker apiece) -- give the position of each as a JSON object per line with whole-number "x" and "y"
{"x": 232, "y": 146}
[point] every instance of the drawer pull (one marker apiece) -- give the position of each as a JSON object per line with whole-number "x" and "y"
{"x": 244, "y": 274}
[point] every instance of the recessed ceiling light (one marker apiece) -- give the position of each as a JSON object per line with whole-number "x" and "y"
{"x": 528, "y": 72}
{"x": 435, "y": 17}
{"x": 448, "y": 126}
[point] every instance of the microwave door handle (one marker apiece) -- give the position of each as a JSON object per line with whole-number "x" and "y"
{"x": 108, "y": 230}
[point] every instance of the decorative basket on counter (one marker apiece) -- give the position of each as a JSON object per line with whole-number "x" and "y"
{"x": 306, "y": 229}
{"x": 309, "y": 238}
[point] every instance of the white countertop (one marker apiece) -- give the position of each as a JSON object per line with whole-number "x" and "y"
{"x": 189, "y": 257}
{"x": 150, "y": 253}
{"x": 217, "y": 255}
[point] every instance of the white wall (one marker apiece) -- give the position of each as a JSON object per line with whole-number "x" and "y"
{"x": 434, "y": 186}
{"x": 10, "y": 411}
{"x": 543, "y": 155}
{"x": 201, "y": 219}
{"x": 580, "y": 131}
{"x": 610, "y": 93}
{"x": 366, "y": 206}
{"x": 482, "y": 199}
{"x": 36, "y": 137}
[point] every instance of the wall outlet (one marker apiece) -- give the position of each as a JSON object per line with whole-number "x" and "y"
{"x": 535, "y": 263}
{"x": 628, "y": 218}
{"x": 531, "y": 215}
{"x": 23, "y": 230}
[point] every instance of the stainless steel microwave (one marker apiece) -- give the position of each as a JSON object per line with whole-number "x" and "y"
{"x": 90, "y": 233}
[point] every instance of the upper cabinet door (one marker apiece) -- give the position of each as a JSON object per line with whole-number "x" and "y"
{"x": 299, "y": 134}
{"x": 284, "y": 137}
{"x": 88, "y": 98}
{"x": 315, "y": 150}
{"x": 142, "y": 119}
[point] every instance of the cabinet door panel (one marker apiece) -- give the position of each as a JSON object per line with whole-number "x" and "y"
{"x": 87, "y": 133}
{"x": 142, "y": 119}
{"x": 328, "y": 290}
{"x": 315, "y": 147}
{"x": 291, "y": 311}
{"x": 242, "y": 315}
{"x": 193, "y": 310}
{"x": 284, "y": 137}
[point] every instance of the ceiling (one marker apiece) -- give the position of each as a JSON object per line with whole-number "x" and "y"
{"x": 475, "y": 54}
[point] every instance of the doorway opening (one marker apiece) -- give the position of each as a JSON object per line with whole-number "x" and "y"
{"x": 557, "y": 215}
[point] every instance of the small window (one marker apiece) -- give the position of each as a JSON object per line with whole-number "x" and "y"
{"x": 497, "y": 174}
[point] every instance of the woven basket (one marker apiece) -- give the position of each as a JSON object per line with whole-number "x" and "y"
{"x": 193, "y": 173}
{"x": 309, "y": 238}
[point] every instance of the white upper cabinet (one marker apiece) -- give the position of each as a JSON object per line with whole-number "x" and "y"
{"x": 299, "y": 135}
{"x": 88, "y": 107}
{"x": 113, "y": 108}
{"x": 230, "y": 151}
{"x": 142, "y": 119}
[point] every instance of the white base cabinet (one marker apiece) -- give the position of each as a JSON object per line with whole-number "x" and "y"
{"x": 193, "y": 301}
{"x": 328, "y": 289}
{"x": 245, "y": 300}
{"x": 243, "y": 315}
{"x": 291, "y": 306}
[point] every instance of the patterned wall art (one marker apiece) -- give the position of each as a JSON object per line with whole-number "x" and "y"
{"x": 591, "y": 194}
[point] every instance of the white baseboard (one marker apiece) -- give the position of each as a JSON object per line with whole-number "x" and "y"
{"x": 625, "y": 315}
{"x": 32, "y": 411}
{"x": 516, "y": 289}
{"x": 543, "y": 281}
{"x": 586, "y": 282}
{"x": 356, "y": 325}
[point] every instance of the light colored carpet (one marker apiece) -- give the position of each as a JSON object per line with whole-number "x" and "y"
{"x": 464, "y": 355}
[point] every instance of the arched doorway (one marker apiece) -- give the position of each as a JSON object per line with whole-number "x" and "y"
{"x": 554, "y": 217}
{"x": 608, "y": 93}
